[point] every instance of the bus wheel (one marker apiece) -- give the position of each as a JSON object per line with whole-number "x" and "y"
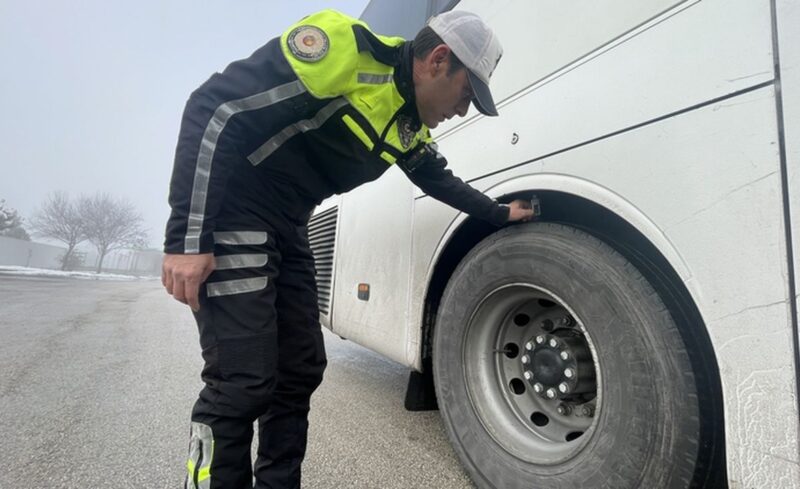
{"x": 557, "y": 365}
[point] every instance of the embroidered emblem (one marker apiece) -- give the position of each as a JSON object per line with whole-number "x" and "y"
{"x": 308, "y": 43}
{"x": 405, "y": 130}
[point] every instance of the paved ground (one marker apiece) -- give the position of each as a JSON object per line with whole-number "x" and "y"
{"x": 97, "y": 379}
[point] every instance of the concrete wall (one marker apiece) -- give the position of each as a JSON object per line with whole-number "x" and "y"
{"x": 145, "y": 262}
{"x": 16, "y": 252}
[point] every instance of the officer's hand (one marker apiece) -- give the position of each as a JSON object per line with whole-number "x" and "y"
{"x": 520, "y": 210}
{"x": 182, "y": 276}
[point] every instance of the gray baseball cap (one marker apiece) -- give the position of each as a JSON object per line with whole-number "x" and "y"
{"x": 474, "y": 43}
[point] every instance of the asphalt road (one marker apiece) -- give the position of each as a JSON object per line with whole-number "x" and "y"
{"x": 97, "y": 379}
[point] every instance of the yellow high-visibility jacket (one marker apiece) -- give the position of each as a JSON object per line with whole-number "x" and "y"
{"x": 321, "y": 109}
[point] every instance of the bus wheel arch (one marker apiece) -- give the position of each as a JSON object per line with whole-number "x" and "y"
{"x": 611, "y": 229}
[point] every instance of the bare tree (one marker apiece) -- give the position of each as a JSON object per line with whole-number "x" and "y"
{"x": 11, "y": 223}
{"x": 111, "y": 224}
{"x": 58, "y": 219}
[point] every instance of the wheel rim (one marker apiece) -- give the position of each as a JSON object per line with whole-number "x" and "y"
{"x": 532, "y": 373}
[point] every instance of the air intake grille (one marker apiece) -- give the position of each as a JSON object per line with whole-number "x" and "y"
{"x": 322, "y": 237}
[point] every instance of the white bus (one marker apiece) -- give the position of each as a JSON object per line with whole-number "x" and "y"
{"x": 643, "y": 332}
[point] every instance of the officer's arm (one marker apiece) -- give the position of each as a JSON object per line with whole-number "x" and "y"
{"x": 203, "y": 157}
{"x": 433, "y": 178}
{"x": 210, "y": 142}
{"x": 198, "y": 182}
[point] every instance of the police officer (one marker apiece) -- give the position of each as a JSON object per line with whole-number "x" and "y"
{"x": 325, "y": 107}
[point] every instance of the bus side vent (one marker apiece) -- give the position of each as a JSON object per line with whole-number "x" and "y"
{"x": 322, "y": 237}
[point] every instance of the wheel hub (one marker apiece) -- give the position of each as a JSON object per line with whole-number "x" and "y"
{"x": 558, "y": 366}
{"x": 538, "y": 391}
{"x": 548, "y": 367}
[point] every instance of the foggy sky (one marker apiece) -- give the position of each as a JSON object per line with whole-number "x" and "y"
{"x": 92, "y": 91}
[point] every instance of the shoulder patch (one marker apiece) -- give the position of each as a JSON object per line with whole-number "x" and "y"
{"x": 308, "y": 43}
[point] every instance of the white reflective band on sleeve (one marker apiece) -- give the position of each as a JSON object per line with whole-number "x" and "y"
{"x": 240, "y": 237}
{"x": 239, "y": 286}
{"x": 374, "y": 79}
{"x": 229, "y": 262}
{"x": 277, "y": 140}
{"x": 208, "y": 146}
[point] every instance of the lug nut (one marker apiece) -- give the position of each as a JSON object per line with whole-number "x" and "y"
{"x": 588, "y": 410}
{"x": 563, "y": 388}
{"x": 540, "y": 339}
{"x": 529, "y": 346}
{"x": 564, "y": 409}
{"x": 553, "y": 343}
{"x": 525, "y": 359}
{"x": 528, "y": 375}
{"x": 567, "y": 321}
{"x": 538, "y": 388}
{"x": 568, "y": 372}
{"x": 564, "y": 355}
{"x": 551, "y": 393}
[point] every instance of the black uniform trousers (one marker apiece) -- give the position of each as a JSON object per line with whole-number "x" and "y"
{"x": 263, "y": 350}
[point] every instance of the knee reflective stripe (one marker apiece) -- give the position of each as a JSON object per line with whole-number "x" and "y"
{"x": 201, "y": 453}
{"x": 239, "y": 286}
{"x": 228, "y": 262}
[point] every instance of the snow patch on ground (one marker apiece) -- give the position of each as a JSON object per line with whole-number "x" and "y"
{"x": 42, "y": 272}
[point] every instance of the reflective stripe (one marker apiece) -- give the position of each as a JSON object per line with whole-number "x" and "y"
{"x": 189, "y": 484}
{"x": 239, "y": 286}
{"x": 358, "y": 131}
{"x": 240, "y": 237}
{"x": 389, "y": 158}
{"x": 277, "y": 140}
{"x": 374, "y": 79}
{"x": 229, "y": 262}
{"x": 208, "y": 146}
{"x": 201, "y": 453}
{"x": 204, "y": 478}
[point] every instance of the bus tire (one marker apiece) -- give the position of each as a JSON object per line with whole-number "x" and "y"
{"x": 629, "y": 417}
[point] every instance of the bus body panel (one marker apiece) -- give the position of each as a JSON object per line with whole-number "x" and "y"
{"x": 567, "y": 110}
{"x": 373, "y": 257}
{"x": 788, "y": 20}
{"x": 722, "y": 232}
{"x": 537, "y": 42}
{"x": 671, "y": 122}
